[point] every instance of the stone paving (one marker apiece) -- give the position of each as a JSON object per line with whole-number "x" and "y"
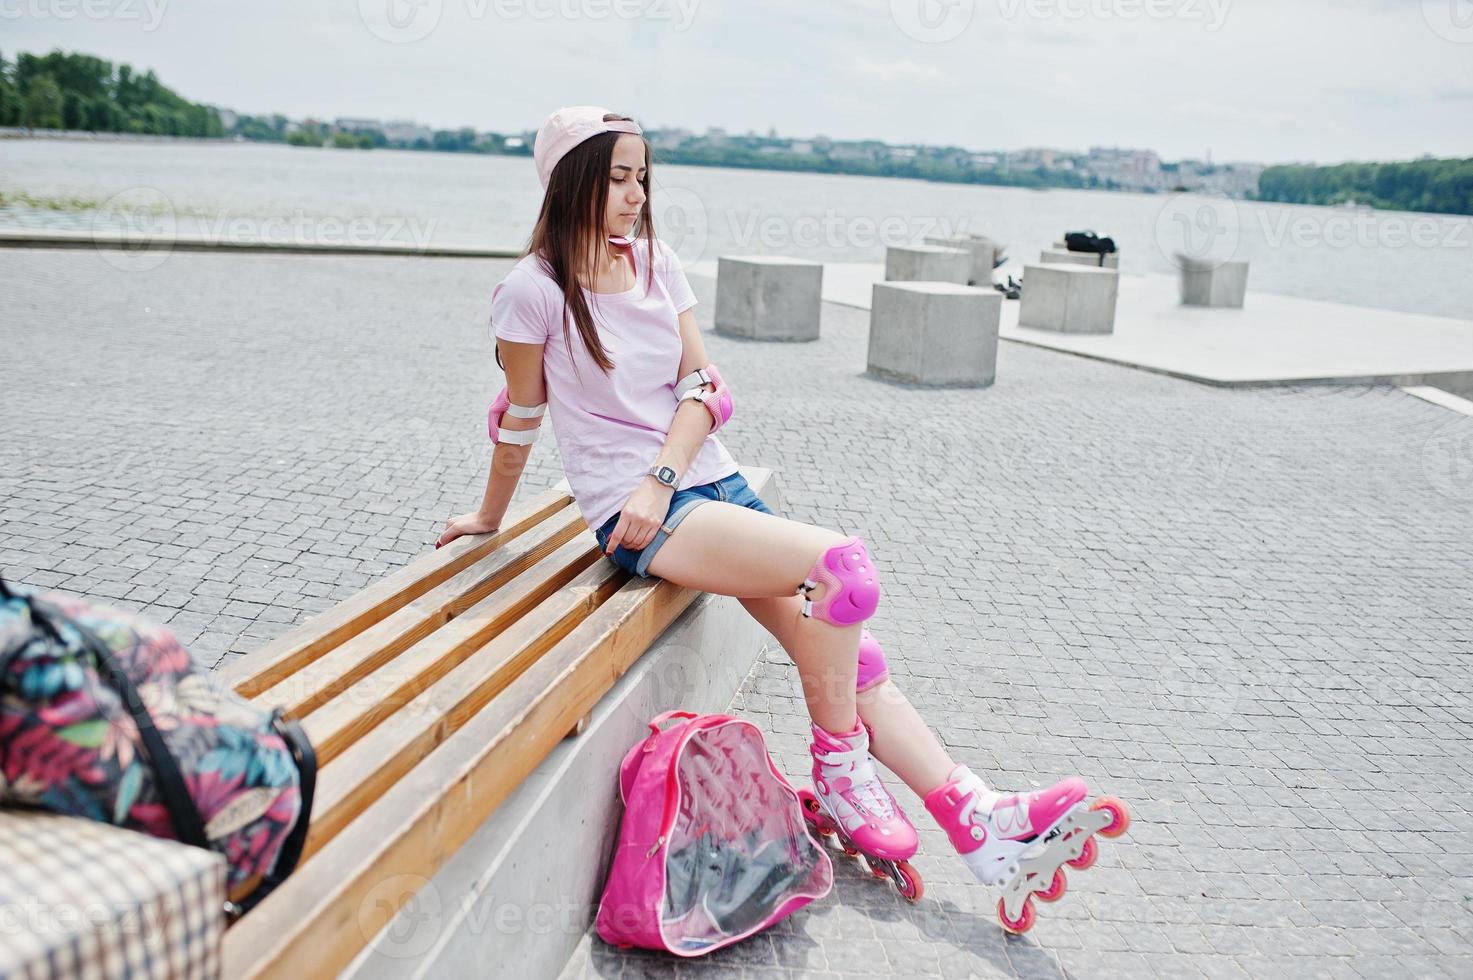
{"x": 1246, "y": 612}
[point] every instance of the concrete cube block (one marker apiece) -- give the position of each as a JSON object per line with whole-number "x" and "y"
{"x": 768, "y": 297}
{"x": 1057, "y": 255}
{"x": 1206, "y": 283}
{"x": 984, "y": 254}
{"x": 934, "y": 333}
{"x": 1069, "y": 298}
{"x": 927, "y": 263}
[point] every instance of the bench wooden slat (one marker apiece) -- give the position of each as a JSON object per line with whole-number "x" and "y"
{"x": 420, "y": 822}
{"x": 372, "y": 764}
{"x": 408, "y": 787}
{"x": 355, "y": 711}
{"x": 331, "y": 673}
{"x": 300, "y": 646}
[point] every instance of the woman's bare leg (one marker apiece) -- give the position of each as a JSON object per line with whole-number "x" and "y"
{"x": 900, "y": 737}
{"x": 731, "y": 550}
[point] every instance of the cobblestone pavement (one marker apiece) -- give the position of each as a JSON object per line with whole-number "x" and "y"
{"x": 1246, "y": 612}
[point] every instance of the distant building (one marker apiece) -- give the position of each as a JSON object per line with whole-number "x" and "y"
{"x": 406, "y": 131}
{"x": 350, "y": 125}
{"x": 228, "y": 118}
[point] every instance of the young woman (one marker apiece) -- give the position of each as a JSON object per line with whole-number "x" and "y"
{"x": 595, "y": 321}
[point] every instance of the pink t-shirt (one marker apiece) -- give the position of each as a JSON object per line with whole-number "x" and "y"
{"x": 610, "y": 427}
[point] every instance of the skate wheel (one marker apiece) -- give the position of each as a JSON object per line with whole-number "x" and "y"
{"x": 913, "y": 888}
{"x": 1086, "y": 856}
{"x": 876, "y": 868}
{"x": 1119, "y": 816}
{"x": 1022, "y": 923}
{"x": 1056, "y": 888}
{"x": 850, "y": 849}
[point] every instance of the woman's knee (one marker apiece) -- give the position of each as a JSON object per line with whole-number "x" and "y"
{"x": 846, "y": 582}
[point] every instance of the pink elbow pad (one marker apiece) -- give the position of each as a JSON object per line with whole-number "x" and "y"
{"x": 719, "y": 402}
{"x": 502, "y": 406}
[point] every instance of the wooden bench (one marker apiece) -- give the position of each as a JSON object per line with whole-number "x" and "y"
{"x": 431, "y": 696}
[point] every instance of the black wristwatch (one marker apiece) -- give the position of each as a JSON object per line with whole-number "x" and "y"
{"x": 666, "y": 475}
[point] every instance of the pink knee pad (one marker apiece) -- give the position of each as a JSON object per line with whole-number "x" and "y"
{"x": 872, "y": 666}
{"x": 852, "y": 585}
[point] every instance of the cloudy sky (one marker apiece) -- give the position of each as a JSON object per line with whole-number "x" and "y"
{"x": 1272, "y": 80}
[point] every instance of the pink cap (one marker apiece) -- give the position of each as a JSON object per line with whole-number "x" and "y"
{"x": 568, "y": 127}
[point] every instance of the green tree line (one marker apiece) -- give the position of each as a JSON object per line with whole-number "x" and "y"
{"x": 1437, "y": 186}
{"x": 79, "y": 91}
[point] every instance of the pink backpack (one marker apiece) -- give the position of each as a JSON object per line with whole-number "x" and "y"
{"x": 713, "y": 846}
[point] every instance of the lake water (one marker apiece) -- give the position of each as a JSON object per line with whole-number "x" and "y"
{"x": 1396, "y": 260}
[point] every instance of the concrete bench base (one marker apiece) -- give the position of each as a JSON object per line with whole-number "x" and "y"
{"x": 1063, "y": 255}
{"x": 927, "y": 263}
{"x": 1069, "y": 298}
{"x": 768, "y": 297}
{"x": 520, "y": 894}
{"x": 983, "y": 252}
{"x": 1213, "y": 283}
{"x": 934, "y": 333}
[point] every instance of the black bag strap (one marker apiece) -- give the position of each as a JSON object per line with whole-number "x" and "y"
{"x": 291, "y": 848}
{"x": 173, "y": 792}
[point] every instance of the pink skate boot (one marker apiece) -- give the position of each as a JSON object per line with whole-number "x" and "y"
{"x": 849, "y": 801}
{"x": 1021, "y": 841}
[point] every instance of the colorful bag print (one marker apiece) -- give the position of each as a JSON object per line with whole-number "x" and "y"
{"x": 105, "y": 715}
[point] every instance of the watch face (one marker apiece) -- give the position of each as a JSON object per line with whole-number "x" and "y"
{"x": 666, "y": 475}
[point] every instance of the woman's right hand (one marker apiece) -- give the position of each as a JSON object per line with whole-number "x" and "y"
{"x": 472, "y": 523}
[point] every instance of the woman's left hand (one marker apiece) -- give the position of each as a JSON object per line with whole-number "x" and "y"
{"x": 641, "y": 516}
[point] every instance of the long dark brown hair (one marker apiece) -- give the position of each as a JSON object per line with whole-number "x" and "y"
{"x": 571, "y": 224}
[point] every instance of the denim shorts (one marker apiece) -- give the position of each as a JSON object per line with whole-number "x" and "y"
{"x": 732, "y": 489}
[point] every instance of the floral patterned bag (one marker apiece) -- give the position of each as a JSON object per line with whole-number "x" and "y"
{"x": 105, "y": 715}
